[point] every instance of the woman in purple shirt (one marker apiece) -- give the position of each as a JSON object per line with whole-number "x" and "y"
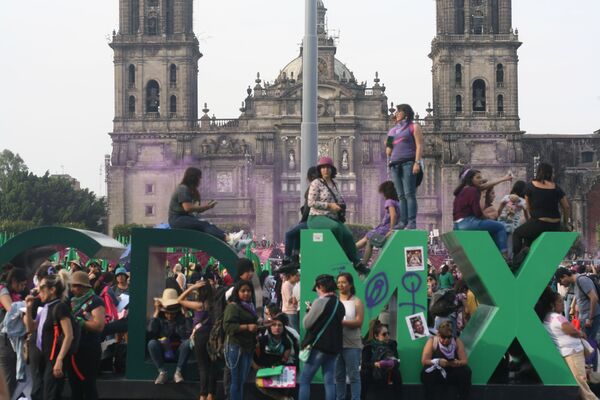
{"x": 467, "y": 212}
{"x": 404, "y": 147}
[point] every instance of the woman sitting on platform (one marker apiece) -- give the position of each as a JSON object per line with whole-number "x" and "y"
{"x": 328, "y": 211}
{"x": 379, "y": 371}
{"x": 445, "y": 364}
{"x": 185, "y": 206}
{"x": 467, "y": 213}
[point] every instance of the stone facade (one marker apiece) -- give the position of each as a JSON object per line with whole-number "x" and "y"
{"x": 251, "y": 163}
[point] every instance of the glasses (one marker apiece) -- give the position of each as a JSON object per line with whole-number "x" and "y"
{"x": 446, "y": 337}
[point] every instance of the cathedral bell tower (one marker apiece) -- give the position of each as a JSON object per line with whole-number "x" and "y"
{"x": 156, "y": 66}
{"x": 475, "y": 74}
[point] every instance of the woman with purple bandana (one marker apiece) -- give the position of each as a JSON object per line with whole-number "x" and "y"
{"x": 404, "y": 147}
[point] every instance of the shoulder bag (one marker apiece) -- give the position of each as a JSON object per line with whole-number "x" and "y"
{"x": 305, "y": 352}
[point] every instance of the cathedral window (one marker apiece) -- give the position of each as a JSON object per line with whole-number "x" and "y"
{"x": 459, "y": 17}
{"x": 131, "y": 105}
{"x": 152, "y": 3}
{"x": 499, "y": 75}
{"x": 152, "y": 26}
{"x": 149, "y": 188}
{"x": 134, "y": 17}
{"x": 131, "y": 76}
{"x": 173, "y": 105}
{"x": 479, "y": 95}
{"x": 458, "y": 75}
{"x": 477, "y": 23}
{"x": 169, "y": 17}
{"x": 344, "y": 108}
{"x": 458, "y": 104}
{"x": 500, "y": 104}
{"x": 495, "y": 17}
{"x": 173, "y": 75}
{"x": 152, "y": 97}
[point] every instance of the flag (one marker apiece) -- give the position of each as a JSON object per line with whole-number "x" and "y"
{"x": 254, "y": 258}
{"x": 267, "y": 266}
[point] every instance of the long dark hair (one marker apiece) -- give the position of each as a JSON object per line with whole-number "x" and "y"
{"x": 350, "y": 281}
{"x": 543, "y": 173}
{"x": 388, "y": 190}
{"x": 546, "y": 303}
{"x": 312, "y": 173}
{"x": 408, "y": 111}
{"x": 519, "y": 188}
{"x": 11, "y": 274}
{"x": 466, "y": 179}
{"x": 235, "y": 295}
{"x": 191, "y": 179}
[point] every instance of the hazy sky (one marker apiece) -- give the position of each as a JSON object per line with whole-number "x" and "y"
{"x": 57, "y": 72}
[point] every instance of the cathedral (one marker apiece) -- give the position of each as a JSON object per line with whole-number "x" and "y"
{"x": 251, "y": 164}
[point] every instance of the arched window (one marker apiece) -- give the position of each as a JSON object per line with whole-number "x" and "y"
{"x": 479, "y": 95}
{"x": 131, "y": 106}
{"x": 173, "y": 75}
{"x": 173, "y": 104}
{"x": 500, "y": 104}
{"x": 458, "y": 75}
{"x": 499, "y": 75}
{"x": 152, "y": 97}
{"x": 458, "y": 104}
{"x": 131, "y": 76}
{"x": 459, "y": 17}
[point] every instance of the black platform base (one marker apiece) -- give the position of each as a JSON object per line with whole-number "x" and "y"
{"x": 147, "y": 390}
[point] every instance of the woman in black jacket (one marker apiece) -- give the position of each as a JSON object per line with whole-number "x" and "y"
{"x": 379, "y": 371}
{"x": 326, "y": 315}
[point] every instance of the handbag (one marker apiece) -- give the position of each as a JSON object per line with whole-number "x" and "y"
{"x": 377, "y": 240}
{"x": 341, "y": 215}
{"x": 305, "y": 352}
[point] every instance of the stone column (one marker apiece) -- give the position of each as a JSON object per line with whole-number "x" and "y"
{"x": 266, "y": 205}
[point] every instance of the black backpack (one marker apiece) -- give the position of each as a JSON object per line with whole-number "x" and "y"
{"x": 216, "y": 338}
{"x": 442, "y": 303}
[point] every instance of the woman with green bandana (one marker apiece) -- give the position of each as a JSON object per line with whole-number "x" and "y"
{"x": 88, "y": 311}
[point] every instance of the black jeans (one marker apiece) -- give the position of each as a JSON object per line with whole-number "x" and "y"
{"x": 435, "y": 385}
{"x": 8, "y": 363}
{"x": 83, "y": 371}
{"x": 206, "y": 368}
{"x": 525, "y": 234}
{"x": 189, "y": 222}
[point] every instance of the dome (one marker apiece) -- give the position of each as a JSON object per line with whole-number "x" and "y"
{"x": 294, "y": 69}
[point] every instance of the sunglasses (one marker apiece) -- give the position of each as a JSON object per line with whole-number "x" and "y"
{"x": 446, "y": 337}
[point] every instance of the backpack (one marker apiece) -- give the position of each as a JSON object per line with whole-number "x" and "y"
{"x": 216, "y": 338}
{"x": 442, "y": 303}
{"x": 594, "y": 279}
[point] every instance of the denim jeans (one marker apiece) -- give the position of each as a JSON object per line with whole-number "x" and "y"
{"x": 294, "y": 321}
{"x": 156, "y": 351}
{"x": 239, "y": 362}
{"x": 189, "y": 222}
{"x": 592, "y": 331}
{"x": 405, "y": 183}
{"x": 495, "y": 228}
{"x": 348, "y": 364}
{"x": 327, "y": 363}
{"x": 292, "y": 238}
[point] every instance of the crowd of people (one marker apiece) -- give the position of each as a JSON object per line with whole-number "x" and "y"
{"x": 68, "y": 323}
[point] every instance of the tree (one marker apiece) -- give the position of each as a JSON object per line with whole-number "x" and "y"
{"x": 45, "y": 200}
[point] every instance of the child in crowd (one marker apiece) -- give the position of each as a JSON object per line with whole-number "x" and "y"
{"x": 510, "y": 209}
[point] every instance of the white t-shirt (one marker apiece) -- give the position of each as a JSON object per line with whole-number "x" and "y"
{"x": 566, "y": 344}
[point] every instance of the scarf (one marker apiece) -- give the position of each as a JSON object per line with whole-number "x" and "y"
{"x": 248, "y": 306}
{"x": 449, "y": 351}
{"x": 273, "y": 347}
{"x": 42, "y": 316}
{"x": 80, "y": 303}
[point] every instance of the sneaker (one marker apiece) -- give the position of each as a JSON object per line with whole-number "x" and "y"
{"x": 412, "y": 225}
{"x": 361, "y": 268}
{"x": 178, "y": 377}
{"x": 234, "y": 238}
{"x": 162, "y": 378}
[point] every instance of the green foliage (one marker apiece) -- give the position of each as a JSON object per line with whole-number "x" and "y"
{"x": 359, "y": 231}
{"x": 45, "y": 200}
{"x": 124, "y": 230}
{"x": 15, "y": 227}
{"x": 234, "y": 227}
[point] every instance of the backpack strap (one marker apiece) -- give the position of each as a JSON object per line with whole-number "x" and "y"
{"x": 337, "y": 302}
